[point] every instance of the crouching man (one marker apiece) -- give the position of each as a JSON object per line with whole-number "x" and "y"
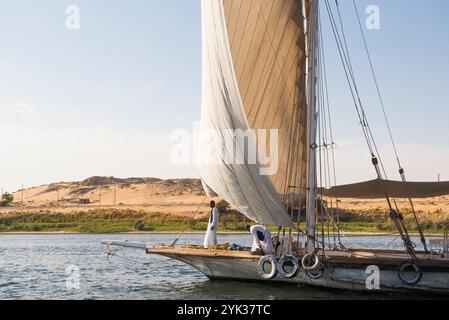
{"x": 262, "y": 242}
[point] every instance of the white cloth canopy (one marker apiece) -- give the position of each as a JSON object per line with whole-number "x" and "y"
{"x": 376, "y": 189}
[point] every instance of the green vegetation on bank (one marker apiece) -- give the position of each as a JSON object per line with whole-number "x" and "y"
{"x": 110, "y": 221}
{"x": 114, "y": 221}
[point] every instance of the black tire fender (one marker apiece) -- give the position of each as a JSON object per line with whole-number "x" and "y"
{"x": 282, "y": 263}
{"x": 273, "y": 262}
{"x": 410, "y": 264}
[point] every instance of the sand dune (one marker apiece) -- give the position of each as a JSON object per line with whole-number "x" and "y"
{"x": 175, "y": 197}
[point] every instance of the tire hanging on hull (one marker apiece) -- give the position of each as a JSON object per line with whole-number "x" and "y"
{"x": 274, "y": 271}
{"x": 407, "y": 265}
{"x": 286, "y": 261}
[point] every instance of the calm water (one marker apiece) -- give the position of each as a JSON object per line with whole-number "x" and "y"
{"x": 35, "y": 266}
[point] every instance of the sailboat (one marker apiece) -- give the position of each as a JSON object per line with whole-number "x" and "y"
{"x": 264, "y": 71}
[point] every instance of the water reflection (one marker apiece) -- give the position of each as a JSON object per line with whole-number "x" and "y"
{"x": 34, "y": 267}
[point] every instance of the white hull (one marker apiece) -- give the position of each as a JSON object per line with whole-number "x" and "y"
{"x": 346, "y": 276}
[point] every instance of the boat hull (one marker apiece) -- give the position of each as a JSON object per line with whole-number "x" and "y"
{"x": 354, "y": 276}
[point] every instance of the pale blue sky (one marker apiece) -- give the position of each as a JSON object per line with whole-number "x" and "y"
{"x": 104, "y": 99}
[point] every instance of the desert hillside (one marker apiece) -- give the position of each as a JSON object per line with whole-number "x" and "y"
{"x": 179, "y": 197}
{"x": 174, "y": 196}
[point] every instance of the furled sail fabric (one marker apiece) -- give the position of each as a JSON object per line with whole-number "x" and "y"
{"x": 375, "y": 189}
{"x": 254, "y": 78}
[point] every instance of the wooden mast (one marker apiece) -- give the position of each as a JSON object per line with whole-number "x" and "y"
{"x": 312, "y": 44}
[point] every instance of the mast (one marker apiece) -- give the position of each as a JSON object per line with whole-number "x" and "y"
{"x": 312, "y": 44}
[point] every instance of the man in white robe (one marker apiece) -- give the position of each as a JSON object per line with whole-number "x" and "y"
{"x": 210, "y": 240}
{"x": 261, "y": 239}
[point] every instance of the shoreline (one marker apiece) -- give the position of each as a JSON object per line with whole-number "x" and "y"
{"x": 113, "y": 221}
{"x": 58, "y": 233}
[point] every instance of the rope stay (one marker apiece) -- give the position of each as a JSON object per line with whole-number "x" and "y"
{"x": 109, "y": 253}
{"x": 187, "y": 226}
{"x": 377, "y": 162}
{"x": 335, "y": 224}
{"x": 387, "y": 122}
{"x": 326, "y": 152}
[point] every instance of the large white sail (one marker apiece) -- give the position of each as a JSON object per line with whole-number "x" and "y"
{"x": 254, "y": 79}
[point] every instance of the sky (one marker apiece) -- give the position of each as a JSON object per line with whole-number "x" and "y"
{"x": 105, "y": 99}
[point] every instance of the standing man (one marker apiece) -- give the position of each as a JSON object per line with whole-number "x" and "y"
{"x": 210, "y": 240}
{"x": 261, "y": 239}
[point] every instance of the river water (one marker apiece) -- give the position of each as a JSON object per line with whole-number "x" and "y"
{"x": 74, "y": 267}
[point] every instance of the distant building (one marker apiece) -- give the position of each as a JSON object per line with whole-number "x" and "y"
{"x": 84, "y": 201}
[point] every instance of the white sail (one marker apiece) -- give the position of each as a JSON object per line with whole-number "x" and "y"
{"x": 253, "y": 80}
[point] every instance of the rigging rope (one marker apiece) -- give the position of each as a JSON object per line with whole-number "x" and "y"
{"x": 113, "y": 253}
{"x": 351, "y": 71}
{"x": 326, "y": 143}
{"x": 193, "y": 219}
{"x": 374, "y": 150}
{"x": 332, "y": 141}
{"x": 381, "y": 100}
{"x": 344, "y": 61}
{"x": 376, "y": 82}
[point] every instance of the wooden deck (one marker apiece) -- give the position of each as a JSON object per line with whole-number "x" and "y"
{"x": 385, "y": 258}
{"x": 185, "y": 251}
